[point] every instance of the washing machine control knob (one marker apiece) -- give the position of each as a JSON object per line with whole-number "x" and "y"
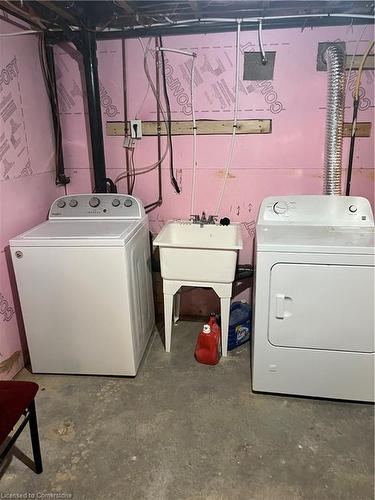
{"x": 352, "y": 209}
{"x": 116, "y": 202}
{"x": 128, "y": 202}
{"x": 280, "y": 207}
{"x": 73, "y": 203}
{"x": 94, "y": 202}
{"x": 61, "y": 203}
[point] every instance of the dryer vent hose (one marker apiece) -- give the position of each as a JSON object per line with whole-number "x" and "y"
{"x": 335, "y": 59}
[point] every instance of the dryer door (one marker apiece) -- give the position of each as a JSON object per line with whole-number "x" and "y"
{"x": 319, "y": 306}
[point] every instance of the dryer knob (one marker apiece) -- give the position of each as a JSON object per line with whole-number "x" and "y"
{"x": 352, "y": 209}
{"x": 116, "y": 202}
{"x": 73, "y": 203}
{"x": 128, "y": 202}
{"x": 61, "y": 203}
{"x": 280, "y": 207}
{"x": 94, "y": 202}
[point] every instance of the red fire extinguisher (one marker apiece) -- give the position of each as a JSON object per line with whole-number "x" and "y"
{"x": 208, "y": 342}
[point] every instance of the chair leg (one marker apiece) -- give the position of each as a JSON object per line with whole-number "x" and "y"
{"x": 35, "y": 438}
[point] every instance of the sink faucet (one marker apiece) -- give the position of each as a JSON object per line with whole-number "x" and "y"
{"x": 202, "y": 219}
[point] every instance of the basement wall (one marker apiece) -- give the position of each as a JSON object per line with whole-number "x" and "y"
{"x": 287, "y": 161}
{"x": 27, "y": 173}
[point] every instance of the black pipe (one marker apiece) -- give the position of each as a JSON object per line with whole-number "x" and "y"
{"x": 61, "y": 178}
{"x": 352, "y": 142}
{"x": 125, "y": 97}
{"x": 151, "y": 206}
{"x": 90, "y": 61}
{"x": 197, "y": 28}
{"x": 169, "y": 118}
{"x": 157, "y": 82}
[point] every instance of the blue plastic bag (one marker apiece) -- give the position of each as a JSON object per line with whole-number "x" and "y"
{"x": 239, "y": 324}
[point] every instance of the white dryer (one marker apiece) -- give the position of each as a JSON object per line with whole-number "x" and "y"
{"x": 313, "y": 327}
{"x": 85, "y": 286}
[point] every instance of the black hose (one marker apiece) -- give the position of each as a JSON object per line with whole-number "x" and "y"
{"x": 352, "y": 143}
{"x": 169, "y": 119}
{"x": 47, "y": 66}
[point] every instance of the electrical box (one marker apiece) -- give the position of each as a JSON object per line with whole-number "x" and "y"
{"x": 254, "y": 69}
{"x": 136, "y": 129}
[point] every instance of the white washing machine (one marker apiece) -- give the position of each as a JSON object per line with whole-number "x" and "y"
{"x": 313, "y": 328}
{"x": 85, "y": 286}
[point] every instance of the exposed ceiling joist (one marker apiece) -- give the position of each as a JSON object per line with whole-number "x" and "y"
{"x": 131, "y": 18}
{"x": 64, "y": 13}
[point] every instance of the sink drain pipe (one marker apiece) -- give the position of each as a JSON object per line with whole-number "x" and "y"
{"x": 335, "y": 58}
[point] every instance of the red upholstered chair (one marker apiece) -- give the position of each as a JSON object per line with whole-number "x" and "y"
{"x": 17, "y": 399}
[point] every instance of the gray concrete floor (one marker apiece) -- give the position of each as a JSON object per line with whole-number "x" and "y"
{"x": 181, "y": 430}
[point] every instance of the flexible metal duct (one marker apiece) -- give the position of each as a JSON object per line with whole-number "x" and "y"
{"x": 335, "y": 58}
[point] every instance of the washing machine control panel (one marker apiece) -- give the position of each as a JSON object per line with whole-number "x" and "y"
{"x": 97, "y": 206}
{"x": 316, "y": 210}
{"x": 280, "y": 207}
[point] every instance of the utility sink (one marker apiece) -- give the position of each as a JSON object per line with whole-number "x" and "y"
{"x": 202, "y": 253}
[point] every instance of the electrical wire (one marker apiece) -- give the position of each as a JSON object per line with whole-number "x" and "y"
{"x": 148, "y": 86}
{"x": 353, "y": 58}
{"x": 52, "y": 96}
{"x": 233, "y": 139}
{"x": 360, "y": 69}
{"x": 149, "y": 168}
{"x": 193, "y": 55}
{"x": 354, "y": 119}
{"x": 169, "y": 118}
{"x": 193, "y": 180}
{"x": 260, "y": 39}
{"x": 125, "y": 102}
{"x": 132, "y": 168}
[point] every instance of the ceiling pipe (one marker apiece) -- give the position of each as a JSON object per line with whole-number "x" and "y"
{"x": 243, "y": 20}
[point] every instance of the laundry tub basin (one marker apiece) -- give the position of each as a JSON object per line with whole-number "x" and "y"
{"x": 191, "y": 252}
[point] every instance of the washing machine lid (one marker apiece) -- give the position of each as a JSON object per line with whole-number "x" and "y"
{"x": 316, "y": 239}
{"x": 79, "y": 233}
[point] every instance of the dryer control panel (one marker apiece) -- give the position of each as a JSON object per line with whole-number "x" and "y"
{"x": 97, "y": 206}
{"x": 316, "y": 210}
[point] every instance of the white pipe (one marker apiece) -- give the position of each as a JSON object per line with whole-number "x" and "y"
{"x": 359, "y": 16}
{"x": 16, "y": 33}
{"x": 245, "y": 20}
{"x": 233, "y": 139}
{"x": 193, "y": 181}
{"x": 266, "y": 18}
{"x": 177, "y": 51}
{"x": 260, "y": 39}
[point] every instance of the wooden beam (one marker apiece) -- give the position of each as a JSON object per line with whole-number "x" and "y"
{"x": 363, "y": 129}
{"x": 224, "y": 127}
{"x": 369, "y": 63}
{"x": 204, "y": 127}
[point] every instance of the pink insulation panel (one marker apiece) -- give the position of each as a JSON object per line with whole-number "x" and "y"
{"x": 27, "y": 173}
{"x": 287, "y": 161}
